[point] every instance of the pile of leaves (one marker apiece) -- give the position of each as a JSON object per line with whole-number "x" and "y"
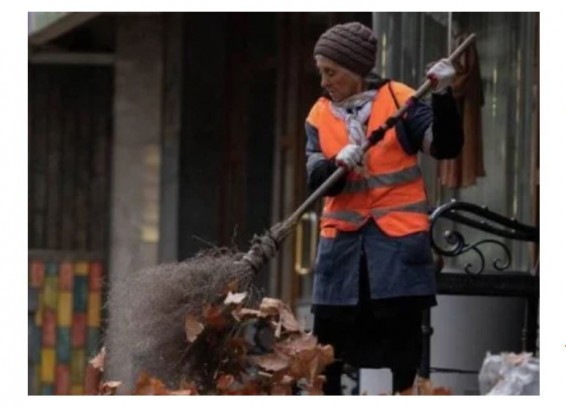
{"x": 234, "y": 349}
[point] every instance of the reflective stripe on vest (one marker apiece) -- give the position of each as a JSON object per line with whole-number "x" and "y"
{"x": 419, "y": 207}
{"x": 358, "y": 219}
{"x": 382, "y": 180}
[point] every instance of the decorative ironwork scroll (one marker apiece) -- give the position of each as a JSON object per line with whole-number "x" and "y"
{"x": 482, "y": 219}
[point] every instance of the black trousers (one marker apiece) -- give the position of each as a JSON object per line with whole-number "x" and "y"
{"x": 372, "y": 335}
{"x": 370, "y": 342}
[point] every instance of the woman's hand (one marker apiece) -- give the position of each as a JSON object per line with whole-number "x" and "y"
{"x": 350, "y": 156}
{"x": 441, "y": 75}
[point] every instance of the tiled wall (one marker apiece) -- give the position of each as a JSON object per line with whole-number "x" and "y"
{"x": 65, "y": 301}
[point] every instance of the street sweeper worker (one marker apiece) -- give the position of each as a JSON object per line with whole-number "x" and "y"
{"x": 374, "y": 272}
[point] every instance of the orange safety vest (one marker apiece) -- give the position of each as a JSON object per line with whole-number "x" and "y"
{"x": 392, "y": 190}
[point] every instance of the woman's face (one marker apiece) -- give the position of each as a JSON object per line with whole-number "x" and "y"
{"x": 338, "y": 81}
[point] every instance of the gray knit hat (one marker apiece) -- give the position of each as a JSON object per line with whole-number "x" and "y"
{"x": 352, "y": 45}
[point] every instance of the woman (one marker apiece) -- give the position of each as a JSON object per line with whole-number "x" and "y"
{"x": 374, "y": 273}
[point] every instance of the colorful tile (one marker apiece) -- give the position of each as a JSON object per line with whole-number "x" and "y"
{"x": 63, "y": 345}
{"x": 37, "y": 272}
{"x": 33, "y": 299}
{"x": 77, "y": 389}
{"x": 51, "y": 268}
{"x": 94, "y": 304}
{"x": 34, "y": 344}
{"x": 33, "y": 386}
{"x": 47, "y": 389}
{"x": 95, "y": 277}
{"x": 65, "y": 309}
{"x": 50, "y": 291}
{"x": 78, "y": 330}
{"x": 40, "y": 308}
{"x": 66, "y": 275}
{"x": 81, "y": 268}
{"x": 80, "y": 294}
{"x": 47, "y": 365}
{"x": 78, "y": 365}
{"x": 62, "y": 380}
{"x": 49, "y": 333}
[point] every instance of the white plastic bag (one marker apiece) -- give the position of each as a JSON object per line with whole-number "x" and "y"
{"x": 509, "y": 374}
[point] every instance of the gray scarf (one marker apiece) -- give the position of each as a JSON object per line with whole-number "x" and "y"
{"x": 355, "y": 112}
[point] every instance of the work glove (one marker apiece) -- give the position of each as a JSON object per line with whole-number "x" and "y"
{"x": 350, "y": 156}
{"x": 441, "y": 75}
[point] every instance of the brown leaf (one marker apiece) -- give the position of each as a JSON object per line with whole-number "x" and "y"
{"x": 270, "y": 306}
{"x": 425, "y": 387}
{"x": 109, "y": 387}
{"x": 98, "y": 360}
{"x": 189, "y": 388}
{"x": 315, "y": 367}
{"x": 327, "y": 354}
{"x": 315, "y": 387}
{"x": 270, "y": 362}
{"x": 192, "y": 328}
{"x": 297, "y": 368}
{"x": 288, "y": 321}
{"x": 298, "y": 344}
{"x": 147, "y": 385}
{"x": 235, "y": 298}
{"x": 249, "y": 388}
{"x": 182, "y": 392}
{"x": 281, "y": 389}
{"x": 224, "y": 382}
{"x": 214, "y": 316}
{"x": 244, "y": 313}
{"x": 278, "y": 329}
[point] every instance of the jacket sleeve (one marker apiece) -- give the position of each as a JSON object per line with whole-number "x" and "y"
{"x": 319, "y": 168}
{"x": 441, "y": 124}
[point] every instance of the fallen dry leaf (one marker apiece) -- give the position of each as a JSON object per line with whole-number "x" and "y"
{"x": 424, "y": 386}
{"x": 192, "y": 328}
{"x": 235, "y": 298}
{"x": 147, "y": 385}
{"x": 281, "y": 389}
{"x": 278, "y": 326}
{"x": 315, "y": 387}
{"x": 224, "y": 382}
{"x": 109, "y": 387}
{"x": 183, "y": 392}
{"x": 327, "y": 354}
{"x": 99, "y": 360}
{"x": 288, "y": 321}
{"x": 270, "y": 306}
{"x": 244, "y": 313}
{"x": 298, "y": 344}
{"x": 234, "y": 336}
{"x": 214, "y": 316}
{"x": 270, "y": 362}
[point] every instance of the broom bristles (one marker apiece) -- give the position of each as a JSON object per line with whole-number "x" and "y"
{"x": 159, "y": 299}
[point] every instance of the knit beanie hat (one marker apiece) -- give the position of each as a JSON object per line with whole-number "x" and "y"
{"x": 351, "y": 45}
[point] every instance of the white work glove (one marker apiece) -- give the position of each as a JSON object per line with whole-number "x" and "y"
{"x": 350, "y": 156}
{"x": 441, "y": 75}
